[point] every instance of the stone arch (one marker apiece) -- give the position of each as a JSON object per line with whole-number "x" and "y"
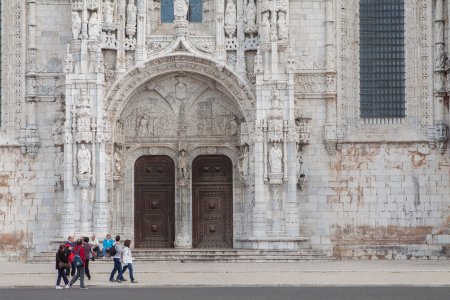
{"x": 225, "y": 79}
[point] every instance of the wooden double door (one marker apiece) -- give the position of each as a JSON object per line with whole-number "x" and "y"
{"x": 212, "y": 202}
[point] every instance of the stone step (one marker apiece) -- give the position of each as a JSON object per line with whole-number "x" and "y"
{"x": 209, "y": 255}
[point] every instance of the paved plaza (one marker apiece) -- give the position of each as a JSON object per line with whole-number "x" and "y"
{"x": 430, "y": 273}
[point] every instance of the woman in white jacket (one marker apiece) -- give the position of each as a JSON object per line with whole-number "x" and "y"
{"x": 127, "y": 260}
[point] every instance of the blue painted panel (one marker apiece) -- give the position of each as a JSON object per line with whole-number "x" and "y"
{"x": 167, "y": 11}
{"x": 195, "y": 11}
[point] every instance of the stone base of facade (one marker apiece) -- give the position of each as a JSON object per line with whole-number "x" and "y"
{"x": 273, "y": 243}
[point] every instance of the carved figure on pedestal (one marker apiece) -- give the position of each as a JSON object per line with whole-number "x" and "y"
{"x": 107, "y": 12}
{"x": 117, "y": 163}
{"x": 76, "y": 25}
{"x": 230, "y": 18}
{"x": 265, "y": 28}
{"x": 275, "y": 159}
{"x": 183, "y": 165}
{"x": 84, "y": 98}
{"x": 143, "y": 127}
{"x": 281, "y": 24}
{"x": 440, "y": 57}
{"x": 181, "y": 9}
{"x": 250, "y": 17}
{"x": 94, "y": 27}
{"x": 131, "y": 18}
{"x": 84, "y": 160}
{"x": 243, "y": 163}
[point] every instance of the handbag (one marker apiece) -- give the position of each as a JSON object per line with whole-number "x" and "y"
{"x": 63, "y": 265}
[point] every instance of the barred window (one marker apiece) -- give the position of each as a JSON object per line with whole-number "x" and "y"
{"x": 382, "y": 59}
{"x": 195, "y": 12}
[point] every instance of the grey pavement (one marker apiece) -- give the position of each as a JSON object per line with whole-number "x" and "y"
{"x": 330, "y": 273}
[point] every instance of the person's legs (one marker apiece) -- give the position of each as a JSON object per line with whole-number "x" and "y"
{"x": 86, "y": 269}
{"x": 73, "y": 269}
{"x": 116, "y": 268}
{"x": 75, "y": 278}
{"x": 130, "y": 268}
{"x": 81, "y": 276}
{"x": 64, "y": 277}
{"x": 124, "y": 269}
{"x": 104, "y": 252}
{"x": 119, "y": 269}
{"x": 58, "y": 280}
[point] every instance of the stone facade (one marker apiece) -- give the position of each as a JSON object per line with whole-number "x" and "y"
{"x": 89, "y": 86}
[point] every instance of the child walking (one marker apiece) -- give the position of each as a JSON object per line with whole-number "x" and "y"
{"x": 127, "y": 260}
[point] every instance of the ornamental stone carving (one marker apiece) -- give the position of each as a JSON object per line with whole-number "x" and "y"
{"x": 276, "y": 159}
{"x": 250, "y": 18}
{"x": 94, "y": 27}
{"x": 181, "y": 8}
{"x": 84, "y": 160}
{"x": 76, "y": 25}
{"x": 230, "y": 18}
{"x": 131, "y": 19}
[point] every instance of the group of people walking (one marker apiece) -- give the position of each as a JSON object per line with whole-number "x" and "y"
{"x": 72, "y": 259}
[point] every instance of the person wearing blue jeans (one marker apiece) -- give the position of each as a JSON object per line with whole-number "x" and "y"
{"x": 127, "y": 261}
{"x": 117, "y": 263}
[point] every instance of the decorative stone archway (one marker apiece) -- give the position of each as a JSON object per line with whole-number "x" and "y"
{"x": 150, "y": 119}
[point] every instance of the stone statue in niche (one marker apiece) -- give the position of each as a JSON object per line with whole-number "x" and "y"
{"x": 117, "y": 163}
{"x": 243, "y": 163}
{"x": 250, "y": 17}
{"x": 181, "y": 8}
{"x": 84, "y": 160}
{"x": 59, "y": 163}
{"x": 440, "y": 57}
{"x": 84, "y": 98}
{"x": 142, "y": 126}
{"x": 76, "y": 25}
{"x": 131, "y": 18}
{"x": 94, "y": 27}
{"x": 183, "y": 166}
{"x": 281, "y": 24}
{"x": 107, "y": 12}
{"x": 275, "y": 159}
{"x": 265, "y": 28}
{"x": 231, "y": 127}
{"x": 230, "y": 18}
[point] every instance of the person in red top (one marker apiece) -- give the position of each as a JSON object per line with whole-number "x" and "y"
{"x": 79, "y": 263}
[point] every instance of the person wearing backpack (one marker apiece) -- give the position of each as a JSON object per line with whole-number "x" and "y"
{"x": 117, "y": 250}
{"x": 78, "y": 262}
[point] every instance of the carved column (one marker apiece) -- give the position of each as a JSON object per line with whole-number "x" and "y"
{"x": 29, "y": 138}
{"x": 440, "y": 125}
{"x": 121, "y": 60}
{"x": 220, "y": 34}
{"x": 240, "y": 55}
{"x": 331, "y": 132}
{"x": 141, "y": 54}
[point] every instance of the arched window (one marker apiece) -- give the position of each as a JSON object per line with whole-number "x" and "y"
{"x": 195, "y": 13}
{"x": 382, "y": 58}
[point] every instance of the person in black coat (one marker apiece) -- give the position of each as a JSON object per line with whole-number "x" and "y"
{"x": 62, "y": 262}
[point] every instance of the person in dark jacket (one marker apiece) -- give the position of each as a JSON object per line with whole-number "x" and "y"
{"x": 61, "y": 259}
{"x": 70, "y": 244}
{"x": 79, "y": 250}
{"x": 88, "y": 253}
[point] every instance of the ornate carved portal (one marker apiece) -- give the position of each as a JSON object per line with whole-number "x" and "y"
{"x": 212, "y": 206}
{"x": 154, "y": 202}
